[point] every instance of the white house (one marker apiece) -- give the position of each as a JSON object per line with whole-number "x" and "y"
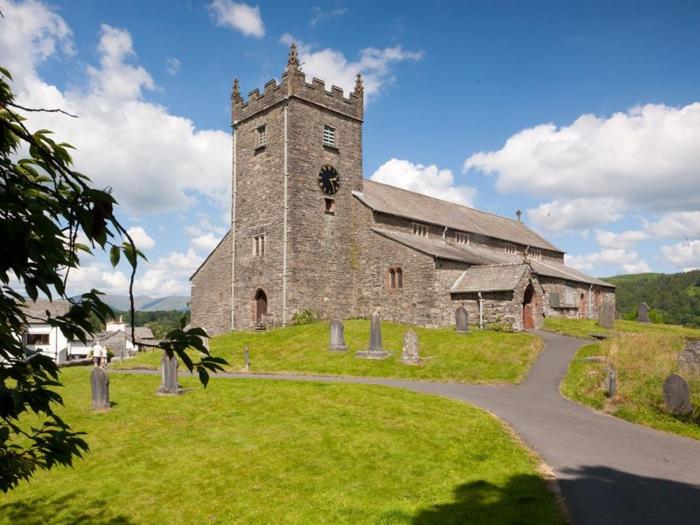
{"x": 41, "y": 336}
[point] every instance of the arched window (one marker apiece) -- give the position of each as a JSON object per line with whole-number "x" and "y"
{"x": 394, "y": 278}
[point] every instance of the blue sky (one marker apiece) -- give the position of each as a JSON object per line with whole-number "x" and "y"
{"x": 583, "y": 115}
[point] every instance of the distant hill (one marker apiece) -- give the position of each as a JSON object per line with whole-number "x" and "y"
{"x": 676, "y": 297}
{"x": 145, "y": 303}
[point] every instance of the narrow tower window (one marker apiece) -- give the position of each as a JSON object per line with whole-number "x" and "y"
{"x": 329, "y": 206}
{"x": 262, "y": 136}
{"x": 259, "y": 245}
{"x": 328, "y": 136}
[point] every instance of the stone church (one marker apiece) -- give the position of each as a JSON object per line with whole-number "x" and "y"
{"x": 309, "y": 233}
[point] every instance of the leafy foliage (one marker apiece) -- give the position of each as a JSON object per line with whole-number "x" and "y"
{"x": 44, "y": 205}
{"x": 672, "y": 298}
{"x": 305, "y": 316}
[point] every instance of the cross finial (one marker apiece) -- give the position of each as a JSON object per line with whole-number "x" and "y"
{"x": 293, "y": 59}
{"x": 236, "y": 93}
{"x": 518, "y": 213}
{"x": 359, "y": 87}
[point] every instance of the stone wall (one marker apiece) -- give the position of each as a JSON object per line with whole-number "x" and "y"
{"x": 211, "y": 290}
{"x": 583, "y": 293}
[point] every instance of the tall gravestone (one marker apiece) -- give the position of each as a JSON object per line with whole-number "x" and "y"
{"x": 376, "y": 349}
{"x": 643, "y": 313}
{"x": 461, "y": 320}
{"x": 337, "y": 342}
{"x": 606, "y": 315}
{"x": 99, "y": 386}
{"x": 677, "y": 395}
{"x": 168, "y": 376}
{"x": 410, "y": 354}
{"x": 689, "y": 358}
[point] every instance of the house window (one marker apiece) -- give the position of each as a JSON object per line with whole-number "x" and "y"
{"x": 329, "y": 206}
{"x": 328, "y": 136}
{"x": 462, "y": 238}
{"x": 534, "y": 253}
{"x": 420, "y": 229}
{"x": 37, "y": 339}
{"x": 259, "y": 245}
{"x": 262, "y": 136}
{"x": 395, "y": 278}
{"x": 510, "y": 248}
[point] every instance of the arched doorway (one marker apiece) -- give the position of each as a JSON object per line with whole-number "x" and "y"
{"x": 529, "y": 308}
{"x": 260, "y": 305}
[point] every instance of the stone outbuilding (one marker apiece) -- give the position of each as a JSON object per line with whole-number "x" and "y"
{"x": 309, "y": 233}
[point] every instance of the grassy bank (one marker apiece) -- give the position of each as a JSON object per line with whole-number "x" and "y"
{"x": 476, "y": 357}
{"x": 247, "y": 451}
{"x": 643, "y": 356}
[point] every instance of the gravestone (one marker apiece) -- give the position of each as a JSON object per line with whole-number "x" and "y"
{"x": 168, "y": 376}
{"x": 337, "y": 343}
{"x": 246, "y": 357}
{"x": 461, "y": 320}
{"x": 606, "y": 315}
{"x": 612, "y": 382}
{"x": 99, "y": 385}
{"x": 376, "y": 350}
{"x": 677, "y": 395}
{"x": 689, "y": 358}
{"x": 410, "y": 353}
{"x": 643, "y": 313}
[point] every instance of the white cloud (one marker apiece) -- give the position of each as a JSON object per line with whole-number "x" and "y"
{"x": 685, "y": 255}
{"x": 576, "y": 214}
{"x": 142, "y": 240}
{"x": 647, "y": 156}
{"x": 331, "y": 66}
{"x": 240, "y": 16}
{"x": 318, "y": 14}
{"x": 429, "y": 180}
{"x": 153, "y": 160}
{"x": 623, "y": 260}
{"x": 676, "y": 225}
{"x": 169, "y": 275}
{"x": 173, "y": 65}
{"x": 206, "y": 242}
{"x": 625, "y": 239}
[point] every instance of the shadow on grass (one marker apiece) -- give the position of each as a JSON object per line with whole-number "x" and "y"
{"x": 71, "y": 508}
{"x": 593, "y": 494}
{"x": 524, "y": 499}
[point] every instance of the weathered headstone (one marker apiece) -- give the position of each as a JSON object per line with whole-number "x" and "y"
{"x": 643, "y": 313}
{"x": 689, "y": 358}
{"x": 461, "y": 319}
{"x": 606, "y": 315}
{"x": 376, "y": 350}
{"x": 612, "y": 381}
{"x": 99, "y": 385}
{"x": 677, "y": 395}
{"x": 246, "y": 357}
{"x": 337, "y": 342}
{"x": 168, "y": 376}
{"x": 410, "y": 353}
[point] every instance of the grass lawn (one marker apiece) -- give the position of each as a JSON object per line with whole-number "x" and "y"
{"x": 477, "y": 357}
{"x": 643, "y": 355}
{"x": 255, "y": 451}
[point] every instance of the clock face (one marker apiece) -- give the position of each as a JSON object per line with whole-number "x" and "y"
{"x": 328, "y": 180}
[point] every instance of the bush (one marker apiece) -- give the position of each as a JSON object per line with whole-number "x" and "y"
{"x": 305, "y": 316}
{"x": 499, "y": 327}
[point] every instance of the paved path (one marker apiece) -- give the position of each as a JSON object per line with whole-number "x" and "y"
{"x": 609, "y": 471}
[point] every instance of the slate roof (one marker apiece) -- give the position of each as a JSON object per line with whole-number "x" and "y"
{"x": 434, "y": 247}
{"x": 490, "y": 278}
{"x": 396, "y": 201}
{"x": 561, "y": 271}
{"x": 36, "y": 311}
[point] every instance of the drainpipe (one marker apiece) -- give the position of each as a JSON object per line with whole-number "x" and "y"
{"x": 590, "y": 305}
{"x": 481, "y": 311}
{"x": 444, "y": 234}
{"x": 233, "y": 232}
{"x": 286, "y": 208}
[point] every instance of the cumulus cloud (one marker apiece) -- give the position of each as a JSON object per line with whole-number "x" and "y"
{"x": 623, "y": 260}
{"x": 576, "y": 214}
{"x": 333, "y": 67}
{"x": 239, "y": 16}
{"x": 318, "y": 14}
{"x": 429, "y": 180}
{"x": 142, "y": 240}
{"x": 647, "y": 157}
{"x": 676, "y": 225}
{"x": 153, "y": 160}
{"x": 685, "y": 255}
{"x": 173, "y": 65}
{"x": 625, "y": 239}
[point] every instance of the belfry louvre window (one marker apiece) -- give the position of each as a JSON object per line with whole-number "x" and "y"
{"x": 394, "y": 278}
{"x": 510, "y": 248}
{"x": 328, "y": 136}
{"x": 259, "y": 245}
{"x": 462, "y": 238}
{"x": 262, "y": 136}
{"x": 420, "y": 229}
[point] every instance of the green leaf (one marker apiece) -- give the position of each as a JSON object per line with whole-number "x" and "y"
{"x": 114, "y": 254}
{"x": 203, "y": 377}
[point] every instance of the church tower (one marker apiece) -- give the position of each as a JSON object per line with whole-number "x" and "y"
{"x": 297, "y": 158}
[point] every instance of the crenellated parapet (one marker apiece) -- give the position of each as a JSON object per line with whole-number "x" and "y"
{"x": 294, "y": 84}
